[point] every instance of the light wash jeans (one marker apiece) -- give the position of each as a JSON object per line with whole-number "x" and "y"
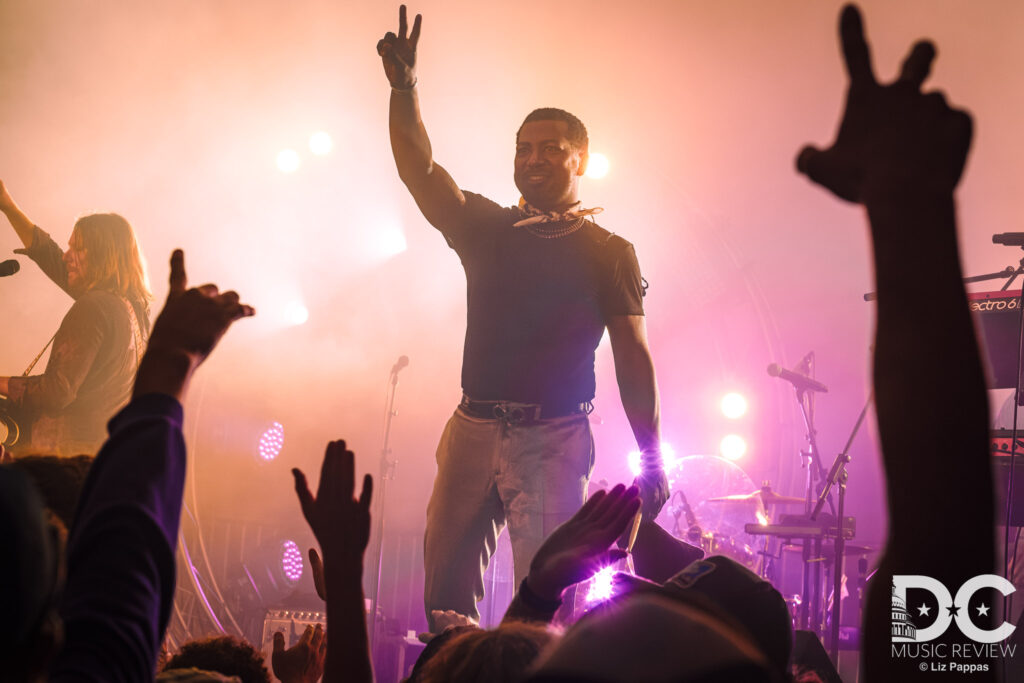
{"x": 532, "y": 476}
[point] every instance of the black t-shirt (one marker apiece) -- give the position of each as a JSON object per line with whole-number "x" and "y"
{"x": 537, "y": 307}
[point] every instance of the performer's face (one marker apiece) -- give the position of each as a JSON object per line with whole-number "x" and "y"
{"x": 74, "y": 259}
{"x": 547, "y": 166}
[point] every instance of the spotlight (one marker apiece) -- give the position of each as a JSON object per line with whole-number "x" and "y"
{"x": 601, "y": 585}
{"x": 291, "y": 560}
{"x": 295, "y": 313}
{"x": 597, "y": 166}
{"x": 272, "y": 570}
{"x": 733, "y": 447}
{"x": 320, "y": 143}
{"x": 733, "y": 405}
{"x": 272, "y": 441}
{"x": 668, "y": 459}
{"x": 287, "y": 160}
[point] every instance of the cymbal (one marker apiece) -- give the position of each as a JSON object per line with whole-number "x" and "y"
{"x": 765, "y": 495}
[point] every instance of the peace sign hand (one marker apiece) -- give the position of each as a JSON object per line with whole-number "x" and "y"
{"x": 398, "y": 53}
{"x": 893, "y": 140}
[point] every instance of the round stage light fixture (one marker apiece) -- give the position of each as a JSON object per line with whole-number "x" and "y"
{"x": 272, "y": 441}
{"x": 733, "y": 405}
{"x": 597, "y": 166}
{"x": 732, "y": 447}
{"x": 320, "y": 143}
{"x": 291, "y": 560}
{"x": 288, "y": 160}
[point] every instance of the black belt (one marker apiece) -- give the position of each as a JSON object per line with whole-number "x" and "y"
{"x": 516, "y": 413}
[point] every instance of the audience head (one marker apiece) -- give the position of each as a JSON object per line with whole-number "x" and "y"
{"x": 736, "y": 624}
{"x": 30, "y": 630}
{"x": 104, "y": 254}
{"x": 223, "y": 654}
{"x": 501, "y": 655}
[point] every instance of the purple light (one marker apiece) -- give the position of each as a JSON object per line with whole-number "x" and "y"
{"x": 272, "y": 441}
{"x": 291, "y": 560}
{"x": 601, "y": 585}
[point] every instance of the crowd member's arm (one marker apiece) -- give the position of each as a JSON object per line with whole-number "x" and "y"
{"x": 900, "y": 153}
{"x": 120, "y": 553}
{"x": 573, "y": 552}
{"x": 436, "y": 194}
{"x": 638, "y": 389}
{"x": 341, "y": 525}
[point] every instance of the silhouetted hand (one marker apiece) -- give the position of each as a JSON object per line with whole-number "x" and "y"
{"x": 398, "y": 53}
{"x": 316, "y": 567}
{"x": 446, "y": 619}
{"x": 186, "y": 332}
{"x": 303, "y": 662}
{"x": 340, "y": 523}
{"x": 579, "y": 547}
{"x": 893, "y": 139}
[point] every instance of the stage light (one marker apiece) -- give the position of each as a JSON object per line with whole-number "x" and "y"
{"x": 320, "y": 143}
{"x": 668, "y": 459}
{"x": 733, "y": 405}
{"x": 272, "y": 441}
{"x": 272, "y": 570}
{"x": 598, "y": 165}
{"x": 291, "y": 560}
{"x": 733, "y": 447}
{"x": 295, "y": 313}
{"x": 288, "y": 160}
{"x": 601, "y": 587}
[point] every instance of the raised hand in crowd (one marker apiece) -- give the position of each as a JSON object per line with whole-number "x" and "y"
{"x": 186, "y": 331}
{"x": 575, "y": 551}
{"x": 303, "y": 662}
{"x": 900, "y": 152}
{"x": 894, "y": 139}
{"x": 398, "y": 53}
{"x": 341, "y": 524}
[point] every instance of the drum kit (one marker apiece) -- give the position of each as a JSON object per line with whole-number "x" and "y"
{"x": 715, "y": 505}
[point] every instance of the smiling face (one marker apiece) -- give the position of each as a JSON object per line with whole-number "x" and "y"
{"x": 75, "y": 261}
{"x": 547, "y": 165}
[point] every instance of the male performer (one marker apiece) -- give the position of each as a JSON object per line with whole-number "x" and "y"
{"x": 543, "y": 282}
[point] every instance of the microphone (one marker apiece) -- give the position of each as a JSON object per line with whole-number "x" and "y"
{"x": 1010, "y": 239}
{"x": 801, "y": 382}
{"x": 9, "y": 267}
{"x": 399, "y": 364}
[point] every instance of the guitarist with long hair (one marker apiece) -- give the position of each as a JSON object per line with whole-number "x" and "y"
{"x": 96, "y": 350}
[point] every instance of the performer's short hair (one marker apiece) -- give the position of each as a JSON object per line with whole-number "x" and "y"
{"x": 113, "y": 258}
{"x": 577, "y": 131}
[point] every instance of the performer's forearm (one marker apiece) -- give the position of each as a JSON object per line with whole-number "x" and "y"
{"x": 21, "y": 224}
{"x": 638, "y": 389}
{"x": 409, "y": 142}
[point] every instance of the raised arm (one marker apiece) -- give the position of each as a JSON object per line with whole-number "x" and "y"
{"x": 19, "y": 221}
{"x": 900, "y": 152}
{"x": 437, "y": 195}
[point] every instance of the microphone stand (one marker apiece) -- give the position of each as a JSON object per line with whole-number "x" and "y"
{"x": 387, "y": 471}
{"x": 838, "y": 476}
{"x": 813, "y": 464}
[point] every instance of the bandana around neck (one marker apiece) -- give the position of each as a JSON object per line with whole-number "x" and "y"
{"x": 535, "y": 215}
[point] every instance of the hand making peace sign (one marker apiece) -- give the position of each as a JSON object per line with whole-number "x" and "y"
{"x": 398, "y": 53}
